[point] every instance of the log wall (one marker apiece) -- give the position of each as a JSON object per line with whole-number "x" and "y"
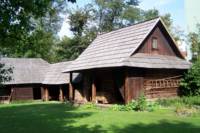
{"x": 22, "y": 93}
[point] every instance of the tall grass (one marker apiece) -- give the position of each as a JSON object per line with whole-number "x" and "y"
{"x": 188, "y": 101}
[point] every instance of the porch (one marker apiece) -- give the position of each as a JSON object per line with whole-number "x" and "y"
{"x": 122, "y": 85}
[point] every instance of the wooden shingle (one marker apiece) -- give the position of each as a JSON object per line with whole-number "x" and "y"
{"x": 115, "y": 48}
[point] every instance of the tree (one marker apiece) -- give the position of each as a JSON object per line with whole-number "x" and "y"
{"x": 19, "y": 18}
{"x": 114, "y": 14}
{"x": 35, "y": 36}
{"x": 194, "y": 40}
{"x": 4, "y": 74}
{"x": 190, "y": 85}
{"x": 19, "y": 22}
{"x": 84, "y": 33}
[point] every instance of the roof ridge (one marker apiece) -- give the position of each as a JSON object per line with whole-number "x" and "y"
{"x": 156, "y": 18}
{"x": 19, "y": 58}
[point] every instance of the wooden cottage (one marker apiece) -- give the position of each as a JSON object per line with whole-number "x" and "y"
{"x": 120, "y": 65}
{"x": 34, "y": 78}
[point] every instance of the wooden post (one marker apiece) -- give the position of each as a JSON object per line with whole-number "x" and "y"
{"x": 70, "y": 87}
{"x": 45, "y": 94}
{"x": 61, "y": 94}
{"x": 93, "y": 90}
{"x": 126, "y": 88}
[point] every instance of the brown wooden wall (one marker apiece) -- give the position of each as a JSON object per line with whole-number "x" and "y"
{"x": 144, "y": 80}
{"x": 22, "y": 93}
{"x": 125, "y": 84}
{"x": 163, "y": 45}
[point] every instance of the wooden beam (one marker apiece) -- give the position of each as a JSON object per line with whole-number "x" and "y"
{"x": 126, "y": 88}
{"x": 70, "y": 87}
{"x": 46, "y": 94}
{"x": 93, "y": 90}
{"x": 61, "y": 94}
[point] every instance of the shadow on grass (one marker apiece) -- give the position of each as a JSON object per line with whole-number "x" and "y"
{"x": 47, "y": 118}
{"x": 162, "y": 127}
{"x": 62, "y": 118}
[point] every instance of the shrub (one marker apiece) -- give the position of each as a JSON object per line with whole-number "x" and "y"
{"x": 190, "y": 84}
{"x": 128, "y": 107}
{"x": 141, "y": 103}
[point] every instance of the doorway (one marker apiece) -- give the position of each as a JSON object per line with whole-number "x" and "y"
{"x": 37, "y": 93}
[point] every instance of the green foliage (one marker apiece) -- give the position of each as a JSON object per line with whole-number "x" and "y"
{"x": 19, "y": 17}
{"x": 70, "y": 48}
{"x": 194, "y": 40}
{"x": 4, "y": 74}
{"x": 112, "y": 14}
{"x": 139, "y": 105}
{"x": 190, "y": 84}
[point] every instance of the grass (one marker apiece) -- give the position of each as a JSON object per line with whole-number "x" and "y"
{"x": 54, "y": 117}
{"x": 185, "y": 101}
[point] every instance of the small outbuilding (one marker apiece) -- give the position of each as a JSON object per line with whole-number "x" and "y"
{"x": 34, "y": 78}
{"x": 120, "y": 65}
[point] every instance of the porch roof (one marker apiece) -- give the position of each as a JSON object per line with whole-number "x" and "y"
{"x": 54, "y": 74}
{"x": 142, "y": 60}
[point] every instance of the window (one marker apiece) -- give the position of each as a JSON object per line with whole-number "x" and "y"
{"x": 154, "y": 43}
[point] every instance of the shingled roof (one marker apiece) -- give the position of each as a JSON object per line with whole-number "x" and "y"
{"x": 37, "y": 71}
{"x": 26, "y": 70}
{"x": 156, "y": 61}
{"x": 55, "y": 75}
{"x": 114, "y": 49}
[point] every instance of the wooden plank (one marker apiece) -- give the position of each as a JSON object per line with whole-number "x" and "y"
{"x": 45, "y": 94}
{"x": 61, "y": 94}
{"x": 126, "y": 88}
{"x": 93, "y": 90}
{"x": 71, "y": 88}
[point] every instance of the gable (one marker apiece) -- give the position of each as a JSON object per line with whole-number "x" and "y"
{"x": 163, "y": 46}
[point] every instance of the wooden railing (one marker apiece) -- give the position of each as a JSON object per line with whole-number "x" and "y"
{"x": 4, "y": 99}
{"x": 171, "y": 82}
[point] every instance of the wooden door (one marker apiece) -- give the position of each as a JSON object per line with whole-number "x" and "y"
{"x": 135, "y": 87}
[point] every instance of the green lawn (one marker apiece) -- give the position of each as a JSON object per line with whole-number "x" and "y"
{"x": 62, "y": 118}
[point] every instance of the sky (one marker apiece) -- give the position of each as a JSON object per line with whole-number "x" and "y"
{"x": 192, "y": 14}
{"x": 174, "y": 7}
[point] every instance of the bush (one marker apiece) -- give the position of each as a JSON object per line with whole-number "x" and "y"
{"x": 128, "y": 107}
{"x": 190, "y": 84}
{"x": 141, "y": 103}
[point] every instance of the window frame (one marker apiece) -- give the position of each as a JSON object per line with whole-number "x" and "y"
{"x": 154, "y": 45}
